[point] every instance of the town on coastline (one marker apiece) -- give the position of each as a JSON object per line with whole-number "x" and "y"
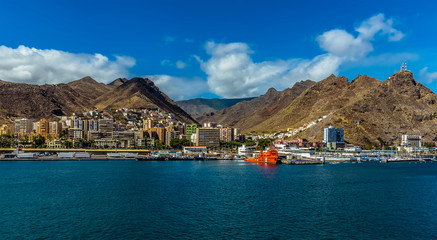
{"x": 154, "y": 134}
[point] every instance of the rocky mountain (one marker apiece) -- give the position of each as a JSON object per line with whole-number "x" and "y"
{"x": 48, "y": 101}
{"x": 198, "y": 106}
{"x": 248, "y": 114}
{"x": 140, "y": 93}
{"x": 89, "y": 88}
{"x": 369, "y": 110}
{"x": 400, "y": 105}
{"x": 117, "y": 82}
{"x": 39, "y": 101}
{"x": 323, "y": 98}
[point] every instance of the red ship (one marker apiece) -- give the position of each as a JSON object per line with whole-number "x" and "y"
{"x": 269, "y": 157}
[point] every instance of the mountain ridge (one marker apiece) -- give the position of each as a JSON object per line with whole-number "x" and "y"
{"x": 369, "y": 110}
{"x": 53, "y": 100}
{"x": 247, "y": 114}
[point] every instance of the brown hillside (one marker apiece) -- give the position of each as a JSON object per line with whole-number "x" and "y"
{"x": 39, "y": 101}
{"x": 89, "y": 88}
{"x": 247, "y": 114}
{"x": 140, "y": 93}
{"x": 323, "y": 98}
{"x": 19, "y": 100}
{"x": 399, "y": 106}
{"x": 117, "y": 82}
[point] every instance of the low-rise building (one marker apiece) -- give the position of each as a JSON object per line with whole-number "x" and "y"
{"x": 195, "y": 150}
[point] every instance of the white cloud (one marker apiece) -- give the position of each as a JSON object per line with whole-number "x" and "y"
{"x": 232, "y": 72}
{"x": 39, "y": 66}
{"x": 179, "y": 88}
{"x": 426, "y": 76}
{"x": 180, "y": 64}
{"x": 378, "y": 24}
{"x": 342, "y": 44}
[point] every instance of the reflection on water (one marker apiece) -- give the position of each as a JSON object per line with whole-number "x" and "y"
{"x": 268, "y": 170}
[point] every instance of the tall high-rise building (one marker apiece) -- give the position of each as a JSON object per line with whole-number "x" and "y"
{"x": 55, "y": 129}
{"x": 106, "y": 128}
{"x": 209, "y": 137}
{"x": 190, "y": 129}
{"x": 226, "y": 134}
{"x": 332, "y": 134}
{"x": 334, "y": 137}
{"x": 43, "y": 128}
{"x": 23, "y": 126}
{"x": 236, "y": 132}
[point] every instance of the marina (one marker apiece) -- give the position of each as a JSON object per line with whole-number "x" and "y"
{"x": 272, "y": 156}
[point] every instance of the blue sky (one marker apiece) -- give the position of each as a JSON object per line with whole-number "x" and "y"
{"x": 216, "y": 49}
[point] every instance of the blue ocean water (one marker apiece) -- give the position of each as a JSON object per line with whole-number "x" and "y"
{"x": 216, "y": 200}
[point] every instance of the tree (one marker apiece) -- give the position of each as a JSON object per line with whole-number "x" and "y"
{"x": 67, "y": 144}
{"x": 179, "y": 143}
{"x": 264, "y": 142}
{"x": 6, "y": 140}
{"x": 175, "y": 143}
{"x": 250, "y": 143}
{"x": 38, "y": 141}
{"x": 159, "y": 144}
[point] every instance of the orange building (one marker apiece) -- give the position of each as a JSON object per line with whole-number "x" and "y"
{"x": 43, "y": 128}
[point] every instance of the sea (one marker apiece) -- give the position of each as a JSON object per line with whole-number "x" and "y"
{"x": 216, "y": 200}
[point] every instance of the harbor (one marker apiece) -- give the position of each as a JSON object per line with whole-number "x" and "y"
{"x": 295, "y": 157}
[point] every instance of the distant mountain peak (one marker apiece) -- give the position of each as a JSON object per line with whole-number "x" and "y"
{"x": 118, "y": 82}
{"x": 271, "y": 90}
{"x": 401, "y": 78}
{"x": 86, "y": 79}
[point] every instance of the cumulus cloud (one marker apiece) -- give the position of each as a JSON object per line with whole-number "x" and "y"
{"x": 39, "y": 66}
{"x": 343, "y": 44}
{"x": 426, "y": 76}
{"x": 231, "y": 72}
{"x": 179, "y": 88}
{"x": 378, "y": 24}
